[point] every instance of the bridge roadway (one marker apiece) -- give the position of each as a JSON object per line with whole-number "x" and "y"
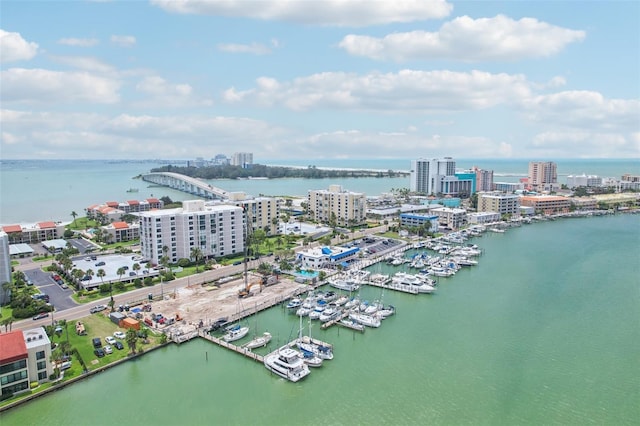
{"x": 186, "y": 184}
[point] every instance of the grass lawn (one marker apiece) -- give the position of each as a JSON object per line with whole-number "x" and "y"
{"x": 82, "y": 223}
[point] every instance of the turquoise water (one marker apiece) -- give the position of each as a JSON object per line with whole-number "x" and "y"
{"x": 545, "y": 330}
{"x": 307, "y": 274}
{"x": 39, "y": 190}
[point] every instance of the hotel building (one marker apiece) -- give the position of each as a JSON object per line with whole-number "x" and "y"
{"x": 415, "y": 219}
{"x": 217, "y": 230}
{"x": 546, "y": 204}
{"x": 438, "y": 176}
{"x": 345, "y": 207}
{"x": 484, "y": 179}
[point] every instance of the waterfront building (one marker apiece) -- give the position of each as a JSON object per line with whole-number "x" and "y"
{"x": 416, "y": 219}
{"x": 119, "y": 232}
{"x": 242, "y": 159}
{"x": 391, "y": 212}
{"x": 217, "y": 230}
{"x": 338, "y": 205}
{"x": 627, "y": 177}
{"x": 618, "y": 200}
{"x": 439, "y": 177}
{"x": 543, "y": 176}
{"x": 262, "y": 212}
{"x": 546, "y": 204}
{"x": 508, "y": 186}
{"x": 114, "y": 210}
{"x": 574, "y": 181}
{"x": 479, "y": 218}
{"x": 450, "y": 218}
{"x": 584, "y": 203}
{"x": 499, "y": 202}
{"x": 24, "y": 358}
{"x": 628, "y": 184}
{"x": 326, "y": 257}
{"x": 33, "y": 233}
{"x": 5, "y": 267}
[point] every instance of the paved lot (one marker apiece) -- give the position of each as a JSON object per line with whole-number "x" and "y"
{"x": 83, "y": 246}
{"x": 58, "y": 297}
{"x": 110, "y": 264}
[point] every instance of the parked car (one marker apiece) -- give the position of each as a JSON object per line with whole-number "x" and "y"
{"x": 97, "y": 343}
{"x": 97, "y": 308}
{"x": 120, "y": 334}
{"x": 119, "y": 346}
{"x": 108, "y": 350}
{"x": 99, "y": 352}
{"x": 100, "y": 264}
{"x": 110, "y": 340}
{"x": 41, "y": 315}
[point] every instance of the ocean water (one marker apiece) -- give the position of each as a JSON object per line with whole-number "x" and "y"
{"x": 545, "y": 330}
{"x": 41, "y": 190}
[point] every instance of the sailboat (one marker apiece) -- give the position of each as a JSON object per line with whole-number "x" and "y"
{"x": 258, "y": 341}
{"x": 235, "y": 332}
{"x": 307, "y": 344}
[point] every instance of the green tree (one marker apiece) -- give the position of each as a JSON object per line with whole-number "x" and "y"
{"x": 74, "y": 215}
{"x": 132, "y": 339}
{"x": 136, "y": 267}
{"x": 196, "y": 255}
{"x": 101, "y": 274}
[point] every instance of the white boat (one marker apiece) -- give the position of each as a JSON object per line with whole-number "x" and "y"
{"x": 353, "y": 303}
{"x": 373, "y": 308}
{"x": 341, "y": 300}
{"x": 303, "y": 311}
{"x": 386, "y": 312}
{"x": 294, "y": 304}
{"x": 344, "y": 284}
{"x": 318, "y": 310}
{"x": 324, "y": 352}
{"x": 235, "y": 333}
{"x": 329, "y": 314}
{"x": 311, "y": 359}
{"x": 287, "y": 363}
{"x": 259, "y": 341}
{"x": 368, "y": 320}
{"x": 348, "y": 322}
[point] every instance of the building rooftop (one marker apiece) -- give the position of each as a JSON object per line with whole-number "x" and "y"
{"x": 12, "y": 347}
{"x": 12, "y": 228}
{"x": 120, "y": 225}
{"x": 36, "y": 337}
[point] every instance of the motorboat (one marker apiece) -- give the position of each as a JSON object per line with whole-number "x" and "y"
{"x": 305, "y": 342}
{"x": 373, "y": 308}
{"x": 294, "y": 303}
{"x": 386, "y": 311}
{"x": 352, "y": 303}
{"x": 235, "y": 332}
{"x": 368, "y": 320}
{"x": 259, "y": 341}
{"x": 341, "y": 300}
{"x": 349, "y": 323}
{"x": 287, "y": 363}
{"x": 303, "y": 311}
{"x": 329, "y": 314}
{"x": 318, "y": 310}
{"x": 344, "y": 284}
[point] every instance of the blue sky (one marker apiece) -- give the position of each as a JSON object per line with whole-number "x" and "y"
{"x": 320, "y": 79}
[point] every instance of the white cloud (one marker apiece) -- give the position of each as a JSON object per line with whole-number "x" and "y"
{"x": 353, "y": 13}
{"x": 584, "y": 109}
{"x": 15, "y": 48}
{"x": 85, "y": 63}
{"x": 586, "y": 144}
{"x": 253, "y": 48}
{"x": 406, "y": 90}
{"x": 123, "y": 40}
{"x": 40, "y": 86}
{"x": 164, "y": 94}
{"x": 471, "y": 40}
{"x": 79, "y": 42}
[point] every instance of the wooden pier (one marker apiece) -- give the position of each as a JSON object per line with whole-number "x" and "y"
{"x": 328, "y": 324}
{"x": 242, "y": 351}
{"x": 396, "y": 287}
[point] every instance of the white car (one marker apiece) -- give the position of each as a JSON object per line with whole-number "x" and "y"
{"x": 119, "y": 334}
{"x": 110, "y": 340}
{"x": 108, "y": 350}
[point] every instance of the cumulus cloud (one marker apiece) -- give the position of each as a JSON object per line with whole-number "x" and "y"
{"x": 162, "y": 93}
{"x": 253, "y": 48}
{"x": 466, "y": 39}
{"x": 39, "y": 86}
{"x": 352, "y": 13}
{"x": 86, "y": 63}
{"x": 123, "y": 40}
{"x": 79, "y": 42}
{"x": 14, "y": 48}
{"x": 389, "y": 92}
{"x": 585, "y": 144}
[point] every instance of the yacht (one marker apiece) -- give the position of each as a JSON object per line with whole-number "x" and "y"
{"x": 259, "y": 341}
{"x": 344, "y": 284}
{"x": 305, "y": 343}
{"x": 329, "y": 314}
{"x": 294, "y": 304}
{"x": 287, "y": 363}
{"x": 368, "y": 320}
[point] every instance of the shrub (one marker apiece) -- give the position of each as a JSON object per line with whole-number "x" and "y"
{"x": 138, "y": 282}
{"x": 104, "y": 288}
{"x": 148, "y": 281}
{"x": 184, "y": 262}
{"x": 119, "y": 286}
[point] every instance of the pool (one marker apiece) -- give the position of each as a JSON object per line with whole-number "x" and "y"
{"x": 307, "y": 273}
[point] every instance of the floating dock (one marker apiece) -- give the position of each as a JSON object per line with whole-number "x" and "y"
{"x": 242, "y": 351}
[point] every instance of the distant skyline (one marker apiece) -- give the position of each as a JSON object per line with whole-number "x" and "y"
{"x": 339, "y": 79}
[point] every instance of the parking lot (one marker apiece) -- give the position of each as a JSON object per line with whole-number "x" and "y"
{"x": 82, "y": 245}
{"x": 60, "y": 298}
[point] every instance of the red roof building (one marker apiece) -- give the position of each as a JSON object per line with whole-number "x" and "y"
{"x": 120, "y": 225}
{"x": 46, "y": 225}
{"x": 12, "y": 228}
{"x": 12, "y": 347}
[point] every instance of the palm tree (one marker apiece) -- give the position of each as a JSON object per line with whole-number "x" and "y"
{"x": 131, "y": 338}
{"x": 74, "y": 215}
{"x": 120, "y": 273}
{"x": 136, "y": 267}
{"x": 89, "y": 272}
{"x": 196, "y": 255}
{"x": 101, "y": 274}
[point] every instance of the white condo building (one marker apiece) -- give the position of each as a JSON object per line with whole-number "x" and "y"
{"x": 217, "y": 230}
{"x": 345, "y": 207}
{"x": 242, "y": 159}
{"x": 427, "y": 175}
{"x": 5, "y": 267}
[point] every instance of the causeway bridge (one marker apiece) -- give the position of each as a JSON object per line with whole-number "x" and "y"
{"x": 186, "y": 184}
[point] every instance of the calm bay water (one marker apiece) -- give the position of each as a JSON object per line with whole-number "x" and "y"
{"x": 39, "y": 190}
{"x": 546, "y": 330}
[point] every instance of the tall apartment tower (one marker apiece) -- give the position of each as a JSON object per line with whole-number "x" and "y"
{"x": 543, "y": 176}
{"x": 347, "y": 208}
{"x": 5, "y": 267}
{"x": 427, "y": 175}
{"x": 484, "y": 179}
{"x": 242, "y": 159}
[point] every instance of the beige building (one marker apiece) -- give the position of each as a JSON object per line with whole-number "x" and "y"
{"x": 499, "y": 202}
{"x": 450, "y": 218}
{"x": 122, "y": 231}
{"x": 33, "y": 233}
{"x": 543, "y": 176}
{"x": 547, "y": 204}
{"x": 262, "y": 212}
{"x": 336, "y": 204}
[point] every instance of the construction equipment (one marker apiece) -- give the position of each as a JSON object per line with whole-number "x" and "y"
{"x": 246, "y": 291}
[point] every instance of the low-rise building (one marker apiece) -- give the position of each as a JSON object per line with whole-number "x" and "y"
{"x": 499, "y": 202}
{"x": 584, "y": 203}
{"x": 450, "y": 218}
{"x": 24, "y": 358}
{"x": 416, "y": 219}
{"x": 33, "y": 233}
{"x": 479, "y": 218}
{"x": 321, "y": 257}
{"x": 546, "y": 204}
{"x": 121, "y": 231}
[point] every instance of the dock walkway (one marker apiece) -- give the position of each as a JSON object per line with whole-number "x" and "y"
{"x": 242, "y": 351}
